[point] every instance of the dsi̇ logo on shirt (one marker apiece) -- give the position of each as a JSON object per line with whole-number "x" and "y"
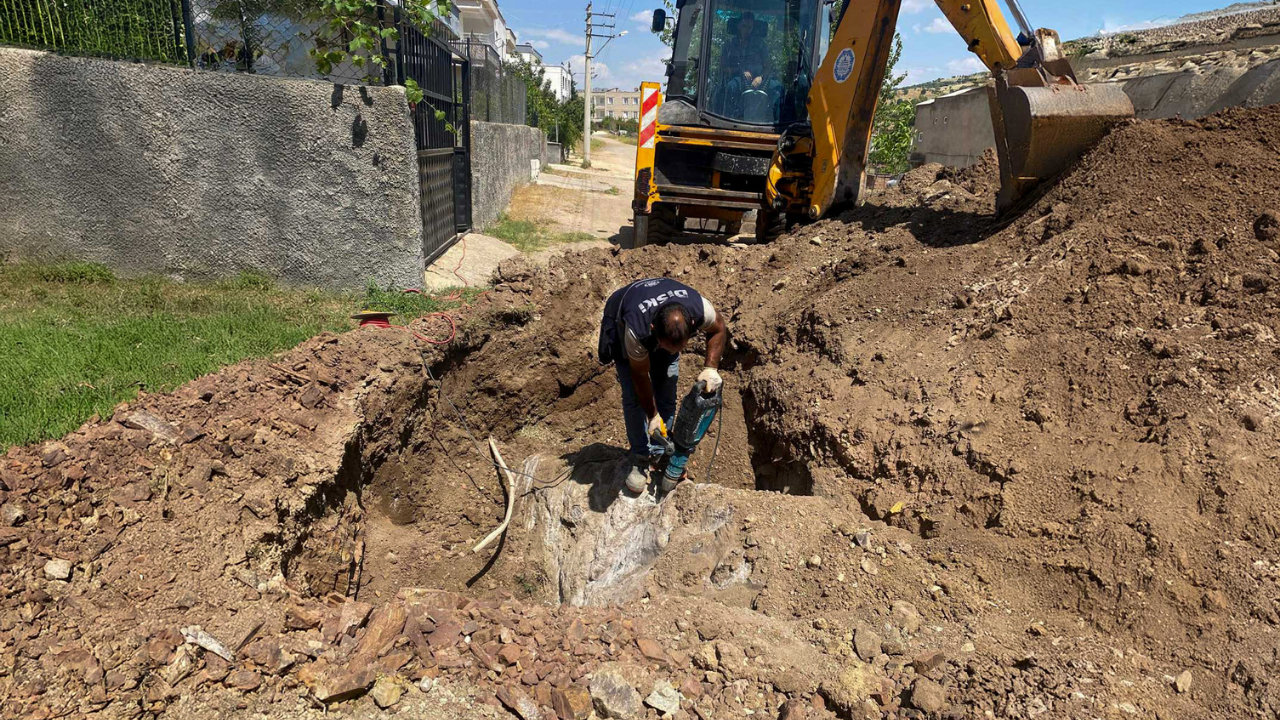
{"x": 653, "y": 303}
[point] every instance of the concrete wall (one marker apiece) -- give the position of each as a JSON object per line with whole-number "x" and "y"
{"x": 955, "y": 129}
{"x": 201, "y": 175}
{"x": 503, "y": 157}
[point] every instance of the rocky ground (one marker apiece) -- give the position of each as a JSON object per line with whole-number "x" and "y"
{"x": 970, "y": 467}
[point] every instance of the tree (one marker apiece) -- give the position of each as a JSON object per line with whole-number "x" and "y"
{"x": 893, "y": 129}
{"x": 556, "y": 118}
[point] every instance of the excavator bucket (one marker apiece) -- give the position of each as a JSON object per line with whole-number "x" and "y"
{"x": 1040, "y": 131}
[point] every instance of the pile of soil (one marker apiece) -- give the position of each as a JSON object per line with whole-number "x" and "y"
{"x": 968, "y": 467}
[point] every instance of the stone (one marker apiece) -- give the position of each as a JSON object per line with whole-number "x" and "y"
{"x": 386, "y": 692}
{"x": 353, "y": 615}
{"x": 12, "y": 514}
{"x": 863, "y": 538}
{"x": 692, "y": 688}
{"x": 905, "y": 616}
{"x": 795, "y": 709}
{"x": 928, "y": 661}
{"x": 57, "y": 569}
{"x": 571, "y": 703}
{"x": 246, "y": 680}
{"x": 651, "y": 651}
{"x": 705, "y": 657}
{"x": 790, "y": 682}
{"x": 664, "y": 698}
{"x": 383, "y": 629}
{"x": 730, "y": 655}
{"x": 1182, "y": 683}
{"x": 613, "y": 696}
{"x": 303, "y": 617}
{"x": 816, "y": 241}
{"x": 426, "y": 683}
{"x": 869, "y": 565}
{"x": 184, "y": 661}
{"x": 814, "y": 562}
{"x": 850, "y": 690}
{"x": 928, "y": 696}
{"x": 519, "y": 703}
{"x": 342, "y": 684}
{"x": 866, "y": 643}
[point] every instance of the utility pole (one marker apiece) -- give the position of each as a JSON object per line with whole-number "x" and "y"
{"x": 592, "y": 26}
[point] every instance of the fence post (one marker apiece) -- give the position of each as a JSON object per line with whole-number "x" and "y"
{"x": 189, "y": 33}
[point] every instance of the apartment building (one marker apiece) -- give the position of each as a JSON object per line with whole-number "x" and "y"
{"x": 615, "y": 103}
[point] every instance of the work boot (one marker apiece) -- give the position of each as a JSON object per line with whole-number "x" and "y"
{"x": 638, "y": 474}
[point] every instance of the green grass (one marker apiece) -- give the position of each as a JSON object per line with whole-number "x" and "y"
{"x": 597, "y": 144}
{"x": 626, "y": 139}
{"x": 533, "y": 235}
{"x": 75, "y": 340}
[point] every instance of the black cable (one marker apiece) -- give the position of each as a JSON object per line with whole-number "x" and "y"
{"x": 715, "y": 450}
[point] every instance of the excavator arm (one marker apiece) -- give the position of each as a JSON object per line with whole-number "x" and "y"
{"x": 1043, "y": 118}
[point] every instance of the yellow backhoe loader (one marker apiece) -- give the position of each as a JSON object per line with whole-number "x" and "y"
{"x": 765, "y": 110}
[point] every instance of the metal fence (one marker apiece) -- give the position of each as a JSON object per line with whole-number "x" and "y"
{"x": 134, "y": 29}
{"x": 496, "y": 95}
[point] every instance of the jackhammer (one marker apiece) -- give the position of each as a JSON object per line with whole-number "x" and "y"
{"x": 693, "y": 419}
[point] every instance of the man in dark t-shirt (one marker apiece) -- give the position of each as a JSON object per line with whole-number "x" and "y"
{"x": 645, "y": 327}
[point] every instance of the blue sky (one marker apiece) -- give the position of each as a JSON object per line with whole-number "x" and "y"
{"x": 931, "y": 49}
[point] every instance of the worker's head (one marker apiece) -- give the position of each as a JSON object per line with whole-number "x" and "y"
{"x": 746, "y": 24}
{"x": 671, "y": 328}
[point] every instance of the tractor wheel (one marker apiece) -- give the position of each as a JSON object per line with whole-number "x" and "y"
{"x": 770, "y": 225}
{"x": 663, "y": 223}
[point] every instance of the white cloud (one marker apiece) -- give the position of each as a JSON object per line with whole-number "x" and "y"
{"x": 601, "y": 75}
{"x": 540, "y": 44}
{"x": 911, "y": 7}
{"x": 651, "y": 69}
{"x": 937, "y": 27}
{"x": 917, "y": 75}
{"x": 556, "y": 35}
{"x": 966, "y": 66}
{"x": 1111, "y": 27}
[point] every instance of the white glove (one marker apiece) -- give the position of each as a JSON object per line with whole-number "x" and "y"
{"x": 656, "y": 427}
{"x": 711, "y": 377}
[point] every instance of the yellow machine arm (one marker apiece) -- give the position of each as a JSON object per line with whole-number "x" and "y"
{"x": 1043, "y": 118}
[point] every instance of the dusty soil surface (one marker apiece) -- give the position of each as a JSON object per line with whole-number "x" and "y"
{"x": 969, "y": 468}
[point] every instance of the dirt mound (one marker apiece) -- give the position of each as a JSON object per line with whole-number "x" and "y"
{"x": 969, "y": 467}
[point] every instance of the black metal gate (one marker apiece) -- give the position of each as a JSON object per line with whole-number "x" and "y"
{"x": 442, "y": 128}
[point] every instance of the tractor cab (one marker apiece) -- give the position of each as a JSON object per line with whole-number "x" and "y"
{"x": 743, "y": 64}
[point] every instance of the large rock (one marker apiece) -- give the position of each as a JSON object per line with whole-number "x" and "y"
{"x": 571, "y": 703}
{"x": 928, "y": 696}
{"x": 850, "y": 692}
{"x": 613, "y": 696}
{"x": 57, "y": 569}
{"x": 664, "y": 698}
{"x": 866, "y": 643}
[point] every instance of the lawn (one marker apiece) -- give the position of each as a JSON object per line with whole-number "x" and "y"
{"x": 533, "y": 235}
{"x": 75, "y": 340}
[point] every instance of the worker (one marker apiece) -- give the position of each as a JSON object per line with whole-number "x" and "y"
{"x": 745, "y": 61}
{"x": 645, "y": 327}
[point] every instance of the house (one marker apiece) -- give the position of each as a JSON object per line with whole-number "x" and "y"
{"x": 482, "y": 22}
{"x": 530, "y": 54}
{"x": 615, "y": 103}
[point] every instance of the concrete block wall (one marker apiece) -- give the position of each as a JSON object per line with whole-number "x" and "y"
{"x": 199, "y": 175}
{"x": 955, "y": 129}
{"x": 503, "y": 157}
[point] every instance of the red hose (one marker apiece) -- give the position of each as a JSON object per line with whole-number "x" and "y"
{"x": 383, "y": 325}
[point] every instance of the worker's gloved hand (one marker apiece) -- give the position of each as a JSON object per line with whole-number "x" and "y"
{"x": 711, "y": 377}
{"x": 656, "y": 428}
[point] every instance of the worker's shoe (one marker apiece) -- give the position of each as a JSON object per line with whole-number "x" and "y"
{"x": 638, "y": 474}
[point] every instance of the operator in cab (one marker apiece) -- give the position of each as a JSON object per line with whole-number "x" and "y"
{"x": 746, "y": 63}
{"x": 645, "y": 327}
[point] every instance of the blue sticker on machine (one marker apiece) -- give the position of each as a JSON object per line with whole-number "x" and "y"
{"x": 844, "y": 65}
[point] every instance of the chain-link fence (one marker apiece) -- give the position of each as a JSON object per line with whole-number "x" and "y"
{"x": 131, "y": 29}
{"x": 265, "y": 37}
{"x": 496, "y": 95}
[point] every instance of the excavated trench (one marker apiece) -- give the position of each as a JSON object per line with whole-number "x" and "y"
{"x": 409, "y": 504}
